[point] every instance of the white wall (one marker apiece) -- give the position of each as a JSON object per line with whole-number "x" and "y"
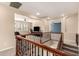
{"x": 7, "y": 39}
{"x": 6, "y": 28}
{"x": 70, "y": 24}
{"x": 42, "y": 23}
{"x": 78, "y": 21}
{"x": 70, "y": 28}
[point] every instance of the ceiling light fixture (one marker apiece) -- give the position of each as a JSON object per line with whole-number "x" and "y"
{"x": 37, "y": 13}
{"x": 48, "y": 17}
{"x": 62, "y": 15}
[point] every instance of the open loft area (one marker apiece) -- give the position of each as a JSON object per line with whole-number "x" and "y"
{"x": 39, "y": 28}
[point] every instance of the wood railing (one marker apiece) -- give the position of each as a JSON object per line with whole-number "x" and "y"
{"x": 77, "y": 39}
{"x": 41, "y": 35}
{"x": 33, "y": 34}
{"x": 30, "y": 48}
{"x": 60, "y": 43}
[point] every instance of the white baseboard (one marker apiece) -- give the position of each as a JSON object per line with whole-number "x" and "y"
{"x": 6, "y": 49}
{"x": 10, "y": 51}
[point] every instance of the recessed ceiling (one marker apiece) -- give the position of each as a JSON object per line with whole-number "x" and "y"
{"x": 50, "y": 9}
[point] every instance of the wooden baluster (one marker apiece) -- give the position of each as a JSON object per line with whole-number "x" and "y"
{"x": 28, "y": 48}
{"x": 38, "y": 51}
{"x": 35, "y": 50}
{"x": 53, "y": 54}
{"x": 21, "y": 47}
{"x": 42, "y": 51}
{"x": 47, "y": 52}
{"x": 37, "y": 47}
{"x": 32, "y": 49}
{"x": 17, "y": 47}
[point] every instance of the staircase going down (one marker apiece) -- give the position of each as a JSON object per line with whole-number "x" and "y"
{"x": 72, "y": 50}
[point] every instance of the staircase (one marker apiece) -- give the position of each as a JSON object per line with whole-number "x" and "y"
{"x": 72, "y": 50}
{"x": 25, "y": 47}
{"x": 56, "y": 43}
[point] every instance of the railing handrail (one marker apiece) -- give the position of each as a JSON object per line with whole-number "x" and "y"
{"x": 60, "y": 43}
{"x": 52, "y": 50}
{"x": 42, "y": 32}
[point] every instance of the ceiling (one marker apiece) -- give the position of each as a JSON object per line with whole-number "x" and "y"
{"x": 48, "y": 9}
